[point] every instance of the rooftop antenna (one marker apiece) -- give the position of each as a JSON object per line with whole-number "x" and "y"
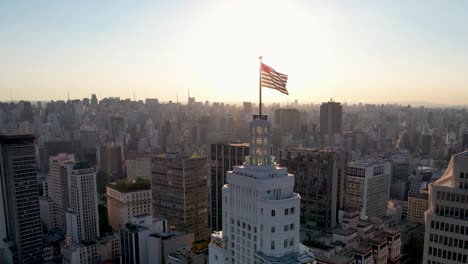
{"x": 134, "y": 95}
{"x": 11, "y": 95}
{"x": 68, "y": 94}
{"x": 188, "y": 92}
{"x": 177, "y": 97}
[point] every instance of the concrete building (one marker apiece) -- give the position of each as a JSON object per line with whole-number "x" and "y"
{"x": 288, "y": 120}
{"x": 320, "y": 181}
{"x": 110, "y": 158}
{"x": 138, "y": 167}
{"x": 57, "y": 188}
{"x": 223, "y": 157}
{"x": 180, "y": 192}
{"x": 330, "y": 121}
{"x": 368, "y": 187}
{"x": 127, "y": 199}
{"x": 417, "y": 206}
{"x": 446, "y": 235}
{"x": 261, "y": 213}
{"x": 82, "y": 215}
{"x": 145, "y": 241}
{"x": 97, "y": 251}
{"x": 20, "y": 220}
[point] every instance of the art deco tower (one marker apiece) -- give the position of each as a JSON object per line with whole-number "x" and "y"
{"x": 261, "y": 212}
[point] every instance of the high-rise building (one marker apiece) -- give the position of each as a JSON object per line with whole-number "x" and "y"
{"x": 288, "y": 119}
{"x": 127, "y": 199}
{"x": 20, "y": 221}
{"x": 368, "y": 187}
{"x": 57, "y": 188}
{"x": 180, "y": 192}
{"x": 138, "y": 166}
{"x": 400, "y": 177}
{"x": 82, "y": 216}
{"x": 223, "y": 157}
{"x": 261, "y": 212}
{"x": 330, "y": 120}
{"x": 465, "y": 141}
{"x": 320, "y": 181}
{"x": 446, "y": 235}
{"x": 417, "y": 206}
{"x": 426, "y": 145}
{"x": 111, "y": 160}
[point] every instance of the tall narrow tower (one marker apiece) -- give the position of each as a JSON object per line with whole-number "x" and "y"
{"x": 20, "y": 225}
{"x": 261, "y": 212}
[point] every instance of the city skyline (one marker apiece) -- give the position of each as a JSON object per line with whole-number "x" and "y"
{"x": 375, "y": 52}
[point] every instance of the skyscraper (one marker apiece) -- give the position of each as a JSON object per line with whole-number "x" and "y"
{"x": 261, "y": 213}
{"x": 20, "y": 223}
{"x": 330, "y": 120}
{"x": 57, "y": 181}
{"x": 368, "y": 187}
{"x": 223, "y": 157}
{"x": 180, "y": 192}
{"x": 82, "y": 216}
{"x": 320, "y": 181}
{"x": 446, "y": 235}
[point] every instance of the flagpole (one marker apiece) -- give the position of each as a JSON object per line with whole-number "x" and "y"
{"x": 260, "y": 89}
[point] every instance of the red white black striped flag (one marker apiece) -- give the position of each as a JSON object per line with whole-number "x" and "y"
{"x": 273, "y": 79}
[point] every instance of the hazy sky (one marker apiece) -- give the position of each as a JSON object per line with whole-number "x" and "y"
{"x": 353, "y": 51}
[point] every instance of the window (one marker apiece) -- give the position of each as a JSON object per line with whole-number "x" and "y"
{"x": 272, "y": 229}
{"x": 286, "y": 211}
{"x": 272, "y": 245}
{"x": 285, "y": 245}
{"x": 291, "y": 226}
{"x": 273, "y": 213}
{"x": 292, "y": 210}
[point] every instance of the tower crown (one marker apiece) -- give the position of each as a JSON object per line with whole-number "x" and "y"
{"x": 260, "y": 138}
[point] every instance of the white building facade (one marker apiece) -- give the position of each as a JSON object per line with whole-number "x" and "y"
{"x": 261, "y": 213}
{"x": 446, "y": 235}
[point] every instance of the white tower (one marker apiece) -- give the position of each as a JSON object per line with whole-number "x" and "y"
{"x": 261, "y": 213}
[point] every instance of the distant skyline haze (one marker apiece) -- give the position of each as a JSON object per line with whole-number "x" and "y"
{"x": 352, "y": 51}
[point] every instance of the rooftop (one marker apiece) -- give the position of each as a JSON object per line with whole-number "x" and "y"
{"x": 125, "y": 186}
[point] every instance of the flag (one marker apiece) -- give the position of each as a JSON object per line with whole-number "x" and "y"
{"x": 273, "y": 79}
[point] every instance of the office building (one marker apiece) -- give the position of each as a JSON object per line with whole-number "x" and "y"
{"x": 223, "y": 157}
{"x": 144, "y": 240}
{"x": 446, "y": 234}
{"x": 57, "y": 188}
{"x": 426, "y": 145}
{"x": 180, "y": 192}
{"x": 320, "y": 181}
{"x": 111, "y": 160}
{"x": 330, "y": 121}
{"x": 20, "y": 221}
{"x": 288, "y": 120}
{"x": 99, "y": 250}
{"x": 368, "y": 187}
{"x": 138, "y": 166}
{"x": 82, "y": 216}
{"x": 126, "y": 199}
{"x": 417, "y": 206}
{"x": 261, "y": 212}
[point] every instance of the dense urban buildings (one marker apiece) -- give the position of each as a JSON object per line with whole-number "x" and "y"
{"x": 320, "y": 181}
{"x": 261, "y": 213}
{"x": 20, "y": 223}
{"x": 330, "y": 121}
{"x": 223, "y": 157}
{"x": 446, "y": 236}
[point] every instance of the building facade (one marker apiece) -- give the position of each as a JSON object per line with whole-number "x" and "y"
{"x": 446, "y": 235}
{"x": 82, "y": 216}
{"x": 417, "y": 206}
{"x": 20, "y": 221}
{"x": 320, "y": 181}
{"x": 180, "y": 192}
{"x": 368, "y": 187}
{"x": 125, "y": 202}
{"x": 223, "y": 157}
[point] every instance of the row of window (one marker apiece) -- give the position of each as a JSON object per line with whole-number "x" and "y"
{"x": 451, "y": 211}
{"x": 448, "y": 241}
{"x": 447, "y": 254}
{"x": 287, "y": 211}
{"x": 286, "y": 228}
{"x": 454, "y": 228}
{"x": 452, "y": 197}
